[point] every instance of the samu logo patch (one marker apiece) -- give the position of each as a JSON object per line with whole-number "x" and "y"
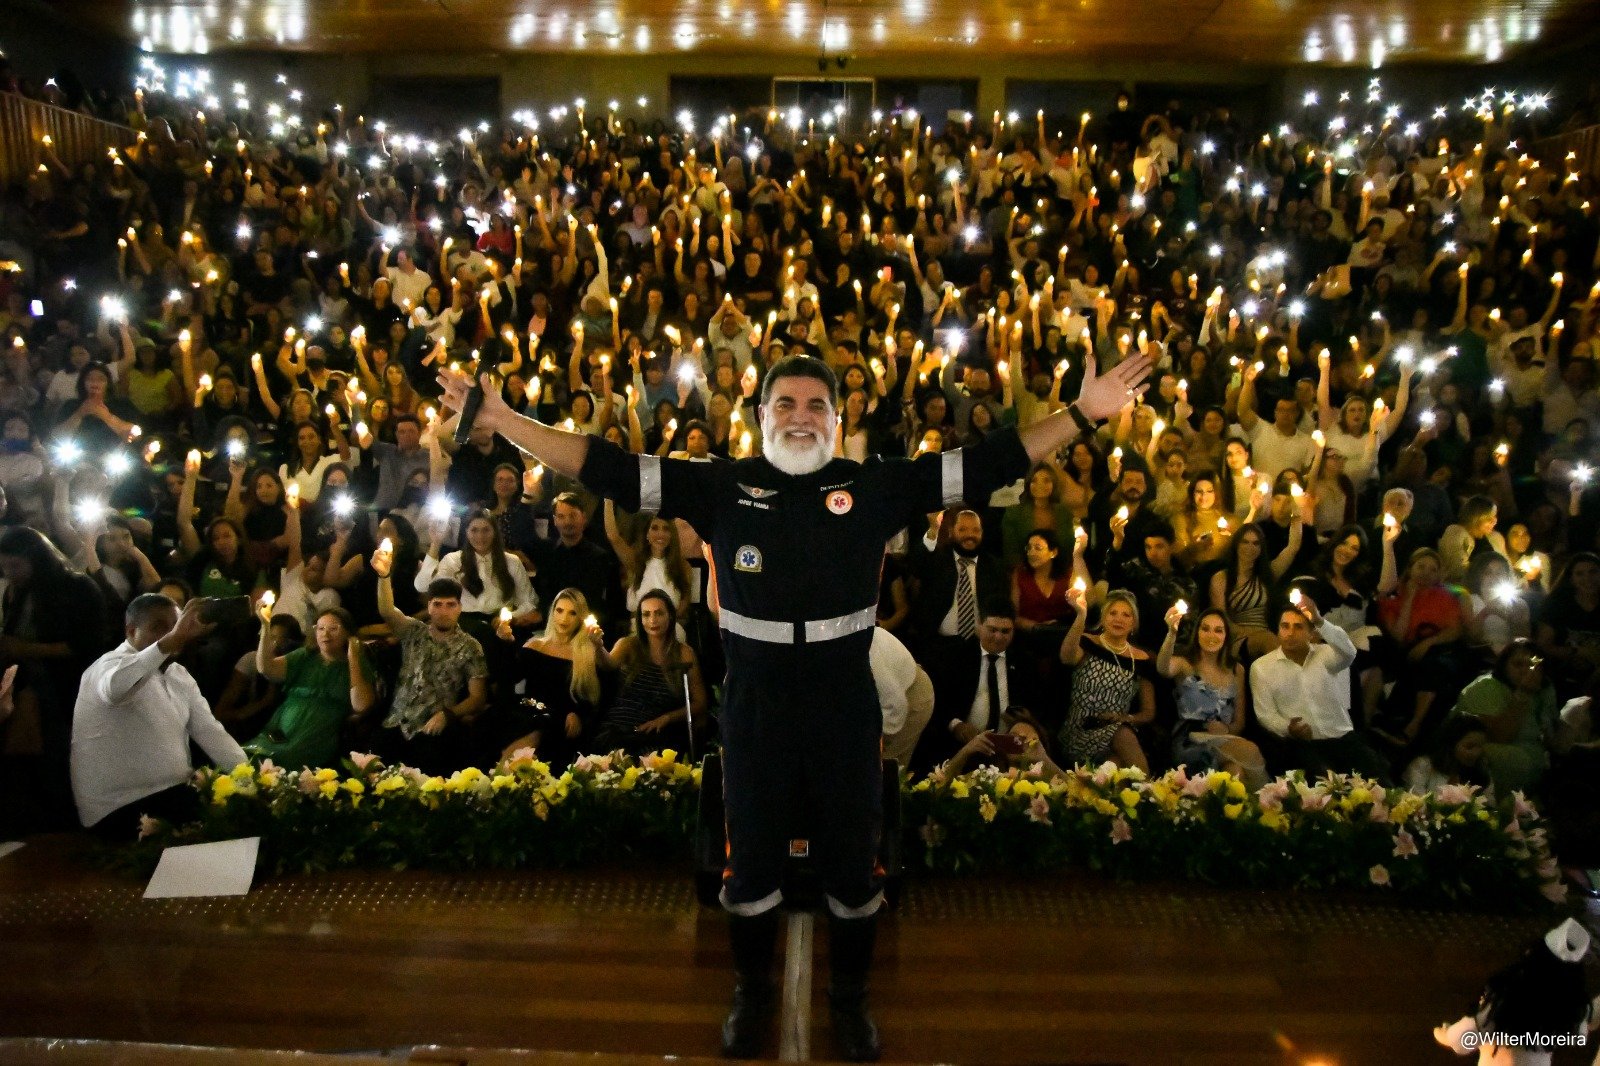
{"x": 748, "y": 559}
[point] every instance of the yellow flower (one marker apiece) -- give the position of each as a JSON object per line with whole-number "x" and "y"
{"x": 472, "y": 775}
{"x": 244, "y": 771}
{"x": 1002, "y": 786}
{"x": 433, "y": 784}
{"x": 502, "y": 781}
{"x": 920, "y": 786}
{"x": 630, "y": 777}
{"x": 696, "y": 776}
{"x": 390, "y": 784}
{"x": 541, "y": 768}
{"x": 667, "y": 758}
{"x": 223, "y": 787}
{"x": 354, "y": 787}
{"x": 541, "y": 809}
{"x": 959, "y": 789}
{"x": 1232, "y": 810}
{"x": 1130, "y": 797}
{"x": 1274, "y": 820}
{"x": 1236, "y": 789}
{"x": 986, "y": 809}
{"x": 1457, "y": 819}
{"x": 328, "y": 789}
{"x": 326, "y": 774}
{"x": 268, "y": 780}
{"x": 1485, "y": 816}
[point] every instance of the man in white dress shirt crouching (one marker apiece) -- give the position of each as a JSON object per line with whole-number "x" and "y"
{"x": 137, "y": 711}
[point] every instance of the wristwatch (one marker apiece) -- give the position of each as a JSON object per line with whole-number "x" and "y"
{"x": 1081, "y": 419}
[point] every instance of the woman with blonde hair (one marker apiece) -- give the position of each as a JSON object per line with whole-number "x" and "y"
{"x": 1110, "y": 677}
{"x": 558, "y": 675}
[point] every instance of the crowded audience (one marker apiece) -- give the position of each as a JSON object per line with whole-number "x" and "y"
{"x": 1351, "y": 527}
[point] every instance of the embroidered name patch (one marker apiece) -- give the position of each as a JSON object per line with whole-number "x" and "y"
{"x": 840, "y": 502}
{"x": 748, "y": 559}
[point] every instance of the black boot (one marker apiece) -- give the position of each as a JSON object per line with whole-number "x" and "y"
{"x": 753, "y": 940}
{"x": 850, "y": 943}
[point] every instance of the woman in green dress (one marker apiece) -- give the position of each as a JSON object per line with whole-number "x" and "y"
{"x": 324, "y": 685}
{"x": 1518, "y": 708}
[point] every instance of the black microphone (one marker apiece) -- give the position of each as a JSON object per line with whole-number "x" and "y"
{"x": 469, "y": 412}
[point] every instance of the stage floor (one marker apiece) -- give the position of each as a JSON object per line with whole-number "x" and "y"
{"x": 1003, "y": 971}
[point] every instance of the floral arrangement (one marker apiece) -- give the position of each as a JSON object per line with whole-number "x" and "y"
{"x": 1458, "y": 846}
{"x": 519, "y": 814}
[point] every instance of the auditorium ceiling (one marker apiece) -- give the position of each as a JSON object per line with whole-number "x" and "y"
{"x": 1330, "y": 32}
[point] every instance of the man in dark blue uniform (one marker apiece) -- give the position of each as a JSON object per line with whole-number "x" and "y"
{"x": 797, "y": 540}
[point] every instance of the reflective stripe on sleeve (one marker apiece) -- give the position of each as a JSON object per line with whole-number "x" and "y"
{"x": 650, "y": 483}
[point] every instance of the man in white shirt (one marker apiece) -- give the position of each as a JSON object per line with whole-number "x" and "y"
{"x": 904, "y": 693}
{"x": 410, "y": 284}
{"x": 1279, "y": 445}
{"x": 1297, "y": 695}
{"x": 136, "y": 713}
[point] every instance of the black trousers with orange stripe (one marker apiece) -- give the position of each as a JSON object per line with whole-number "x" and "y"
{"x": 802, "y": 740}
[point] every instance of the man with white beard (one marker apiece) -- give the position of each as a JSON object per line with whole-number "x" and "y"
{"x": 797, "y": 540}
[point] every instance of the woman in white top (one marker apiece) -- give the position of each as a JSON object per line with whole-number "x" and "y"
{"x": 1350, "y": 428}
{"x": 490, "y": 578}
{"x": 311, "y": 464}
{"x": 651, "y": 560}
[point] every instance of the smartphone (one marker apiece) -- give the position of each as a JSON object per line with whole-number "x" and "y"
{"x": 1006, "y": 743}
{"x": 469, "y": 412}
{"x": 225, "y": 611}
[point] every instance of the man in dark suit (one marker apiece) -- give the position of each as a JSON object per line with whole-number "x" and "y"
{"x": 975, "y": 686}
{"x": 950, "y": 583}
{"x": 573, "y": 561}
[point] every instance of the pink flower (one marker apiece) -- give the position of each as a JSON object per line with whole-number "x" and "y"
{"x": 362, "y": 760}
{"x": 1273, "y": 793}
{"x": 1180, "y": 777}
{"x": 1195, "y": 786}
{"x": 1378, "y": 875}
{"x": 1454, "y": 795}
{"x": 1405, "y": 845}
{"x": 307, "y": 783}
{"x": 148, "y": 826}
{"x": 523, "y": 754}
{"x": 1514, "y": 829}
{"x": 268, "y": 767}
{"x": 1039, "y": 810}
{"x": 1379, "y": 812}
{"x": 1313, "y": 801}
{"x": 1121, "y": 832}
{"x": 1521, "y": 806}
{"x": 1105, "y": 773}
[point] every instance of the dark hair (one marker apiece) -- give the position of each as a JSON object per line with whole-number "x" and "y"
{"x": 291, "y": 626}
{"x": 1262, "y": 571}
{"x": 83, "y": 377}
{"x": 1162, "y": 529}
{"x": 146, "y": 604}
{"x": 997, "y": 608}
{"x": 799, "y": 366}
{"x": 637, "y": 652}
{"x": 444, "y": 588}
{"x": 1442, "y": 752}
{"x": 1502, "y": 662}
{"x": 1058, "y": 565}
{"x": 49, "y": 566}
{"x": 569, "y": 498}
{"x": 1357, "y": 572}
{"x": 404, "y": 417}
{"x": 473, "y": 581}
{"x": 1474, "y": 509}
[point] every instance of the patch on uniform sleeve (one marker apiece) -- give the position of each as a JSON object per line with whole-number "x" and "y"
{"x": 748, "y": 559}
{"x": 840, "y": 501}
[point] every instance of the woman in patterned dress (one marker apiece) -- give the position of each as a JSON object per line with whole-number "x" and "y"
{"x": 1110, "y": 679}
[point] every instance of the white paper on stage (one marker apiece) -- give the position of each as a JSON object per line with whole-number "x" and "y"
{"x": 222, "y": 868}
{"x": 7, "y": 847}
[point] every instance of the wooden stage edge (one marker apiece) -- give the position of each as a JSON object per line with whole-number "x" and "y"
{"x": 621, "y": 966}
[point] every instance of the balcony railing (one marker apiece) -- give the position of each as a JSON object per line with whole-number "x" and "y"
{"x": 1583, "y": 143}
{"x": 76, "y": 138}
